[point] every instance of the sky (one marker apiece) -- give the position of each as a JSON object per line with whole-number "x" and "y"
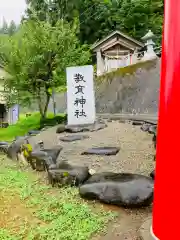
{"x": 12, "y": 10}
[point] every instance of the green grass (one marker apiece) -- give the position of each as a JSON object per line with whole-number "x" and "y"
{"x": 34, "y": 211}
{"x": 25, "y": 124}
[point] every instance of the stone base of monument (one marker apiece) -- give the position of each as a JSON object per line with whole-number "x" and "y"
{"x": 98, "y": 125}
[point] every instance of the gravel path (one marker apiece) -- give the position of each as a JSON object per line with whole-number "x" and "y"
{"x": 135, "y": 156}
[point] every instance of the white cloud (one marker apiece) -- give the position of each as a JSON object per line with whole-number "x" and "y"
{"x": 12, "y": 10}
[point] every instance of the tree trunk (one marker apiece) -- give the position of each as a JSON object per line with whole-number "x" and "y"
{"x": 40, "y": 102}
{"x": 46, "y": 105}
{"x": 40, "y": 106}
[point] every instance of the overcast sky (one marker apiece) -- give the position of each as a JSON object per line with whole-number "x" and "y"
{"x": 12, "y": 10}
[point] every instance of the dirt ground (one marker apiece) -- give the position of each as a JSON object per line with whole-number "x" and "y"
{"x": 135, "y": 156}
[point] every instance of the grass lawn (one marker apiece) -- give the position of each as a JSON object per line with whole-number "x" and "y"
{"x": 26, "y": 124}
{"x": 31, "y": 210}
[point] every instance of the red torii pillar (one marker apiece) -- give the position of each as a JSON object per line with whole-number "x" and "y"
{"x": 166, "y": 207}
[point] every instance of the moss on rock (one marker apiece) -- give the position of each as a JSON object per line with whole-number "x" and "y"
{"x": 129, "y": 70}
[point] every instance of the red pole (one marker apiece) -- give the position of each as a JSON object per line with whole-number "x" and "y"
{"x": 166, "y": 207}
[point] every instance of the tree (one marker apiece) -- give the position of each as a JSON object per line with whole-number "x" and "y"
{"x": 36, "y": 57}
{"x": 138, "y": 16}
{"x": 4, "y": 28}
{"x": 8, "y": 29}
{"x": 38, "y": 6}
{"x": 100, "y": 17}
{"x": 53, "y": 10}
{"x": 12, "y": 28}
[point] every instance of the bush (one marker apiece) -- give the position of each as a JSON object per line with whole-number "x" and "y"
{"x": 52, "y": 121}
{"x": 33, "y": 122}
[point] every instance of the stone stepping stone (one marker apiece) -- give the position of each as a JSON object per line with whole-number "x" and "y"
{"x": 121, "y": 189}
{"x": 21, "y": 137}
{"x": 4, "y": 148}
{"x": 3, "y": 143}
{"x": 152, "y": 129}
{"x": 61, "y": 128}
{"x": 98, "y": 126}
{"x": 101, "y": 151}
{"x": 66, "y": 174}
{"x": 152, "y": 174}
{"x": 15, "y": 146}
{"x": 136, "y": 123}
{"x": 53, "y": 153}
{"x": 145, "y": 127}
{"x": 33, "y": 132}
{"x": 41, "y": 160}
{"x": 72, "y": 138}
{"x": 38, "y": 154}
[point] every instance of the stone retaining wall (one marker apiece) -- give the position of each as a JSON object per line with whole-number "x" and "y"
{"x": 134, "y": 89}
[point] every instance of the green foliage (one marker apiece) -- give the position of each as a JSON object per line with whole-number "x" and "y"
{"x": 20, "y": 128}
{"x": 51, "y": 214}
{"x": 4, "y": 235}
{"x": 36, "y": 58}
{"x": 138, "y": 16}
{"x": 100, "y": 17}
{"x": 34, "y": 122}
{"x": 51, "y": 120}
{"x": 12, "y": 28}
{"x": 54, "y": 10}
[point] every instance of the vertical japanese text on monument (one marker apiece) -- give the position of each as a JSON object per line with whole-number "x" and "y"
{"x": 80, "y": 100}
{"x": 80, "y": 95}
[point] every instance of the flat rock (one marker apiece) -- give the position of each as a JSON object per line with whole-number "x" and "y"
{"x": 53, "y": 152}
{"x": 33, "y": 132}
{"x": 15, "y": 146}
{"x": 66, "y": 174}
{"x": 137, "y": 123}
{"x": 109, "y": 120}
{"x": 105, "y": 176}
{"x": 122, "y": 121}
{"x": 36, "y": 160}
{"x": 53, "y": 166}
{"x": 145, "y": 127}
{"x": 101, "y": 151}
{"x": 41, "y": 160}
{"x": 98, "y": 127}
{"x": 152, "y": 174}
{"x": 4, "y": 148}
{"x": 38, "y": 153}
{"x": 21, "y": 137}
{"x": 72, "y": 138}
{"x": 121, "y": 189}
{"x": 61, "y": 128}
{"x": 4, "y": 143}
{"x": 152, "y": 129}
